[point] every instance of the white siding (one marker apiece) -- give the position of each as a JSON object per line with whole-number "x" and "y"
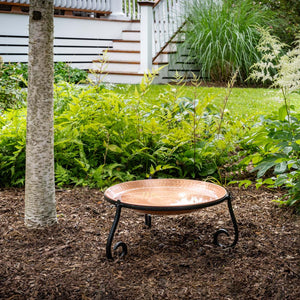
{"x": 76, "y": 40}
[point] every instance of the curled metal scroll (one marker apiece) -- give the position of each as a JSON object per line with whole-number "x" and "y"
{"x": 224, "y": 231}
{"x": 112, "y": 233}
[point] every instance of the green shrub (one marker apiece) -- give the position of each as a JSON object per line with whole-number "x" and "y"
{"x": 11, "y": 84}
{"x": 277, "y": 157}
{"x": 221, "y": 37}
{"x": 14, "y": 77}
{"x": 277, "y": 137}
{"x": 287, "y": 19}
{"x": 63, "y": 72}
{"x": 103, "y": 138}
{"x": 108, "y": 137}
{"x": 12, "y": 147}
{"x": 17, "y": 72}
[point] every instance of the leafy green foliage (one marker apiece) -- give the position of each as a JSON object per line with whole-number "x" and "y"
{"x": 107, "y": 137}
{"x": 14, "y": 78}
{"x": 287, "y": 18}
{"x": 277, "y": 159}
{"x": 11, "y": 84}
{"x": 63, "y": 72}
{"x": 17, "y": 72}
{"x": 221, "y": 37}
{"x": 12, "y": 145}
{"x": 277, "y": 138}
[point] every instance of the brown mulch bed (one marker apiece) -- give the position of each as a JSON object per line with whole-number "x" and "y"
{"x": 175, "y": 259}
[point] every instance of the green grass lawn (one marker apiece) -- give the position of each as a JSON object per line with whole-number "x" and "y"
{"x": 243, "y": 102}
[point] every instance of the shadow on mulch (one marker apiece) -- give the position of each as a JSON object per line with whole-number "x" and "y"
{"x": 175, "y": 259}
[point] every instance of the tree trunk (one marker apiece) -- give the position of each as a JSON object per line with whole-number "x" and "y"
{"x": 40, "y": 206}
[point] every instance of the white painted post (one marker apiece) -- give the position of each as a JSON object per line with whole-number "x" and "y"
{"x": 146, "y": 35}
{"x": 116, "y": 9}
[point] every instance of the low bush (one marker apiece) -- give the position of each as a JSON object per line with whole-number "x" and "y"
{"x": 64, "y": 72}
{"x": 277, "y": 137}
{"x": 14, "y": 77}
{"x": 107, "y": 137}
{"x": 11, "y": 84}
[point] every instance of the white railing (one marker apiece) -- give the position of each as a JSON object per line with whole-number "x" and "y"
{"x": 95, "y": 5}
{"x": 131, "y": 9}
{"x": 160, "y": 22}
{"x": 168, "y": 18}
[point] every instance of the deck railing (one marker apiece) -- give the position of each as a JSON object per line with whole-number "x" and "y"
{"x": 92, "y": 5}
{"x": 131, "y": 9}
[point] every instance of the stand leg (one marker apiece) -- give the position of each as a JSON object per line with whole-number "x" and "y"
{"x": 224, "y": 231}
{"x": 148, "y": 220}
{"x": 111, "y": 235}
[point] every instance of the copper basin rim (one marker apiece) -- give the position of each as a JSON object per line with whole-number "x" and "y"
{"x": 166, "y": 196}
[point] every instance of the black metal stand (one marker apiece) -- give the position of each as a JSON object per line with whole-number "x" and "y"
{"x": 148, "y": 223}
{"x": 112, "y": 233}
{"x": 224, "y": 231}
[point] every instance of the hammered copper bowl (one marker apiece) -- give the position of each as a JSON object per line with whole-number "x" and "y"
{"x": 166, "y": 196}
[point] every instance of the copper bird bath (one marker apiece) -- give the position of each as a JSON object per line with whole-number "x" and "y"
{"x": 166, "y": 197}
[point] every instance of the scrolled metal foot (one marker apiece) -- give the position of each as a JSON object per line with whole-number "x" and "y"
{"x": 124, "y": 248}
{"x": 224, "y": 231}
{"x": 111, "y": 235}
{"x": 148, "y": 220}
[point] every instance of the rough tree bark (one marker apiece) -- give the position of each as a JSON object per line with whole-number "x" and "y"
{"x": 40, "y": 205}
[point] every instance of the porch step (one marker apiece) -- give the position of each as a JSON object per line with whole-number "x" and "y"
{"x": 118, "y": 77}
{"x": 127, "y": 44}
{"x": 122, "y": 55}
{"x": 116, "y": 65}
{"x": 133, "y": 35}
{"x": 121, "y": 63}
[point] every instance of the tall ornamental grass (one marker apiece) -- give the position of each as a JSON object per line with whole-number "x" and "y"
{"x": 221, "y": 37}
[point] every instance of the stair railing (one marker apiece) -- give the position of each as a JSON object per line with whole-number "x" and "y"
{"x": 168, "y": 19}
{"x": 160, "y": 22}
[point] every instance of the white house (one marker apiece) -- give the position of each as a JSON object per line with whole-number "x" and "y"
{"x": 132, "y": 37}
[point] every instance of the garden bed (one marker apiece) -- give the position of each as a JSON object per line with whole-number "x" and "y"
{"x": 175, "y": 259}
